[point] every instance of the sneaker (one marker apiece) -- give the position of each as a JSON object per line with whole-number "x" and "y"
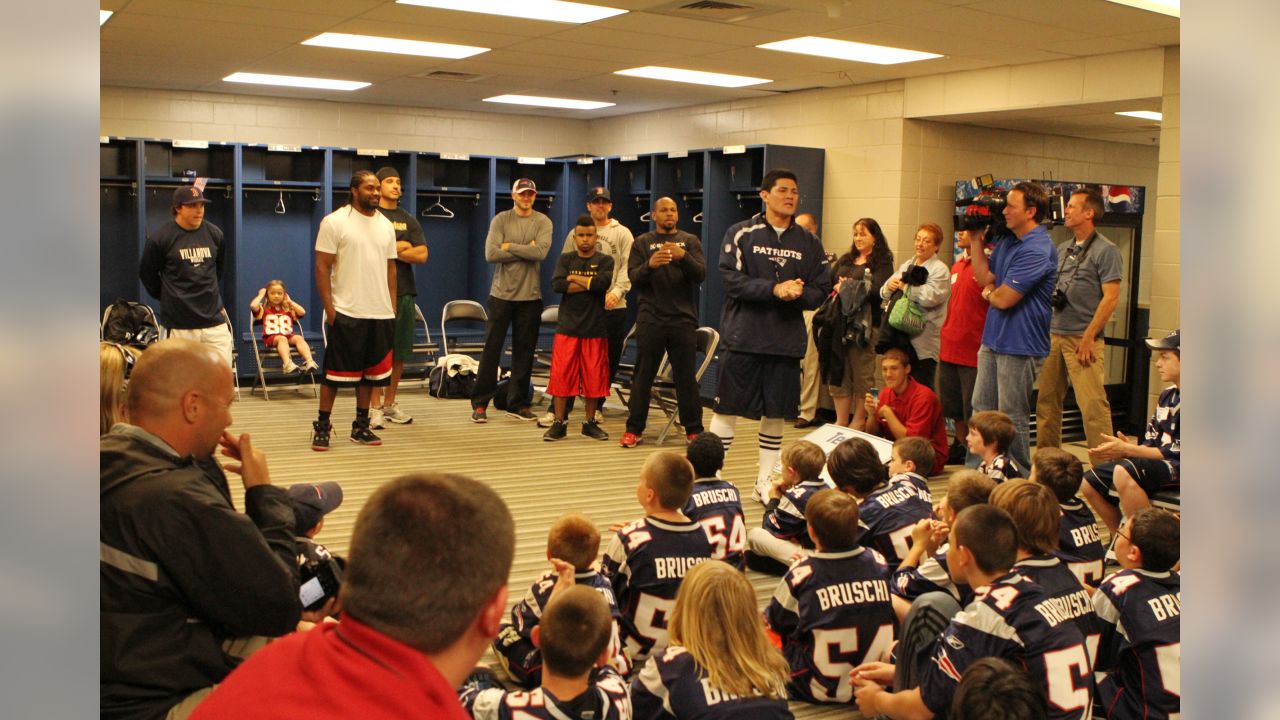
{"x": 360, "y": 434}
{"x": 547, "y": 419}
{"x": 310, "y": 366}
{"x": 290, "y": 368}
{"x": 760, "y": 492}
{"x": 393, "y": 413}
{"x": 482, "y": 678}
{"x": 629, "y": 440}
{"x": 523, "y": 413}
{"x": 478, "y": 415}
{"x": 320, "y": 436}
{"x": 375, "y": 419}
{"x": 691, "y": 437}
{"x": 592, "y": 429}
{"x": 557, "y": 431}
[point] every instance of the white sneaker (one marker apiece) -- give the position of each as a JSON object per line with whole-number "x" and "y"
{"x": 290, "y": 368}
{"x": 375, "y": 419}
{"x": 393, "y": 413}
{"x": 310, "y": 366}
{"x": 760, "y": 492}
{"x": 546, "y": 420}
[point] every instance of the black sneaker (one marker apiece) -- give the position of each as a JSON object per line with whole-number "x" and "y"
{"x": 478, "y": 415}
{"x": 320, "y": 436}
{"x": 592, "y": 429}
{"x": 523, "y": 413}
{"x": 362, "y": 435}
{"x": 557, "y": 431}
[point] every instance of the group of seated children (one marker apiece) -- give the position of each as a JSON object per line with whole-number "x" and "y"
{"x": 999, "y": 570}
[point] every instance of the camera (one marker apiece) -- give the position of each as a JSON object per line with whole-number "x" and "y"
{"x": 321, "y": 578}
{"x": 1059, "y": 299}
{"x": 983, "y": 211}
{"x": 915, "y": 275}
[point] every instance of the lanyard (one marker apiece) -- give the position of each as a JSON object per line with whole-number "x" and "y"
{"x": 1084, "y": 253}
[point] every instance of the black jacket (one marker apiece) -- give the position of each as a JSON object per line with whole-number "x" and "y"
{"x": 667, "y": 295}
{"x": 181, "y": 571}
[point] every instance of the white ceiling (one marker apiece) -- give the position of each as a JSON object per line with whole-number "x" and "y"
{"x": 192, "y": 45}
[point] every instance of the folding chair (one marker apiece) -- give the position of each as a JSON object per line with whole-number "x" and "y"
{"x": 417, "y": 369}
{"x": 151, "y": 316}
{"x": 461, "y": 311}
{"x": 541, "y": 375}
{"x": 268, "y": 360}
{"x": 235, "y": 353}
{"x": 626, "y": 368}
{"x": 664, "y": 388}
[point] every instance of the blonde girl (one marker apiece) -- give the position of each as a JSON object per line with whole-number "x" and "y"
{"x": 720, "y": 664}
{"x": 114, "y": 363}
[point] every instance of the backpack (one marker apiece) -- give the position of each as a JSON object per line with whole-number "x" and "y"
{"x": 130, "y": 323}
{"x": 452, "y": 378}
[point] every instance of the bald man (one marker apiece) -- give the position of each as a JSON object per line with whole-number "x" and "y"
{"x": 183, "y": 574}
{"x": 809, "y": 380}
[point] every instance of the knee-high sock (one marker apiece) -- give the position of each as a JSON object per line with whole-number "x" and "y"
{"x": 724, "y": 425}
{"x": 770, "y": 441}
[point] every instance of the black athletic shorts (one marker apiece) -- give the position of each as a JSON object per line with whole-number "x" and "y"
{"x": 753, "y": 386}
{"x": 359, "y": 352}
{"x": 1152, "y": 476}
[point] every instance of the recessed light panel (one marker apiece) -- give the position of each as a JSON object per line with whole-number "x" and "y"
{"x": 1164, "y": 7}
{"x": 1144, "y": 114}
{"x": 550, "y": 10}
{"x": 398, "y": 46}
{"x": 697, "y": 77}
{"x": 102, "y": 17}
{"x": 846, "y": 50}
{"x": 538, "y": 101}
{"x": 295, "y": 81}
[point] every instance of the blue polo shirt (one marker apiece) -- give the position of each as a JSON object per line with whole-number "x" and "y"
{"x": 1028, "y": 265}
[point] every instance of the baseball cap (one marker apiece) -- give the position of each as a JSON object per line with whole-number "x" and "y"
{"x": 1168, "y": 342}
{"x": 188, "y": 195}
{"x": 387, "y": 172}
{"x": 522, "y": 185}
{"x": 311, "y": 502}
{"x": 599, "y": 193}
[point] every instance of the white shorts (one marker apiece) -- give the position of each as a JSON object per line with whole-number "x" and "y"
{"x": 219, "y": 336}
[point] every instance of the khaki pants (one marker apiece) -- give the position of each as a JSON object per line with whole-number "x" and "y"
{"x": 809, "y": 380}
{"x": 1091, "y": 395}
{"x": 238, "y": 647}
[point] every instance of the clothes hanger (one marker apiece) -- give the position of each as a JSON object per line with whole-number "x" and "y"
{"x": 438, "y": 210}
{"x": 280, "y": 209}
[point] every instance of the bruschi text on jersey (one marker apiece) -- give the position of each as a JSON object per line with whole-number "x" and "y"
{"x": 673, "y": 685}
{"x": 715, "y": 495}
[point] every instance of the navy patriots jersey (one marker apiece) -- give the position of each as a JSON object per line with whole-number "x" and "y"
{"x": 645, "y": 562}
{"x": 1079, "y": 544}
{"x": 514, "y": 644}
{"x": 1001, "y": 468}
{"x": 673, "y": 687}
{"x": 1068, "y": 598}
{"x": 932, "y": 575}
{"x": 717, "y": 506}
{"x": 921, "y": 483}
{"x": 1009, "y": 619}
{"x": 787, "y": 521}
{"x": 833, "y": 612}
{"x": 611, "y": 701}
{"x": 1163, "y": 428}
{"x": 1141, "y": 648}
{"x": 888, "y": 515}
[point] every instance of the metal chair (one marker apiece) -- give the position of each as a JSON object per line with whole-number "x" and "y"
{"x": 417, "y": 370}
{"x": 461, "y": 311}
{"x": 541, "y": 375}
{"x": 267, "y": 360}
{"x": 663, "y": 389}
{"x": 235, "y": 352}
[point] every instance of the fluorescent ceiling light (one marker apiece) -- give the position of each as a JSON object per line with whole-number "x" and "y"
{"x": 295, "y": 81}
{"x": 551, "y": 10}
{"x": 697, "y": 77}
{"x": 845, "y": 50}
{"x": 549, "y": 102}
{"x": 102, "y": 17}
{"x": 371, "y": 43}
{"x": 1164, "y": 7}
{"x": 1144, "y": 114}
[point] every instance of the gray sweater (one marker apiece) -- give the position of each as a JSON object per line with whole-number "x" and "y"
{"x": 515, "y": 275}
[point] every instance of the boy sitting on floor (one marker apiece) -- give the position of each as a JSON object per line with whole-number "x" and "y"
{"x": 716, "y": 503}
{"x": 782, "y": 533}
{"x": 991, "y": 432}
{"x": 1079, "y": 544}
{"x": 887, "y": 511}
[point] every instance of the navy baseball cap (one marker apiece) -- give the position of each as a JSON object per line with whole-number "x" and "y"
{"x": 387, "y": 172}
{"x": 522, "y": 185}
{"x": 599, "y": 193}
{"x": 188, "y": 195}
{"x": 311, "y": 502}
{"x": 1168, "y": 342}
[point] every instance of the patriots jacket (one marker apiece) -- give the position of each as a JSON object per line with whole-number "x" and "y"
{"x": 754, "y": 258}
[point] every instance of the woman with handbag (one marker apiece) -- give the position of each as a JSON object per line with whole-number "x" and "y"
{"x": 925, "y": 282}
{"x": 868, "y": 255}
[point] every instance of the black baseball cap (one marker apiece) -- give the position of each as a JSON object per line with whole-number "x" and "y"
{"x": 1168, "y": 342}
{"x": 311, "y": 502}
{"x": 599, "y": 193}
{"x": 188, "y": 195}
{"x": 387, "y": 172}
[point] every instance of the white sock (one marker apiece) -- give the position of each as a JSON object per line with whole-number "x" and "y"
{"x": 723, "y": 425}
{"x": 770, "y": 442}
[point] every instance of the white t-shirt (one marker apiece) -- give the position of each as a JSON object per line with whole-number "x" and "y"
{"x": 363, "y": 245}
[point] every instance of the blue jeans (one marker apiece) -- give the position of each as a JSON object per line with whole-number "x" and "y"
{"x": 1004, "y": 383}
